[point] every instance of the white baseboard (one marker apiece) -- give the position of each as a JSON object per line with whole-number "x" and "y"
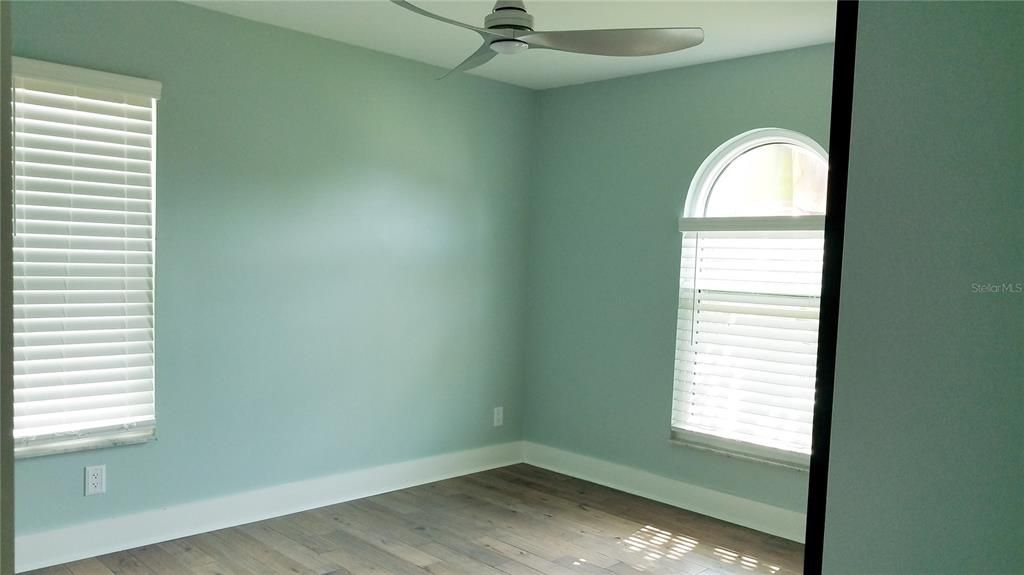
{"x": 37, "y": 550}
{"x": 741, "y": 511}
{"x": 83, "y": 540}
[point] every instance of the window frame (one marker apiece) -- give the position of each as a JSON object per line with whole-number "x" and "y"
{"x": 712, "y": 167}
{"x": 693, "y": 220}
{"x": 127, "y": 86}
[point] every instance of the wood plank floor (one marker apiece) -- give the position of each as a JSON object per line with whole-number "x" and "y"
{"x": 518, "y": 520}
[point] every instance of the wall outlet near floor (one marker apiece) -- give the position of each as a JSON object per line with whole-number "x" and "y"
{"x": 95, "y": 479}
{"x": 499, "y": 416}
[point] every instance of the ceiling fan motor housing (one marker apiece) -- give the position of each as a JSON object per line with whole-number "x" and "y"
{"x": 509, "y": 14}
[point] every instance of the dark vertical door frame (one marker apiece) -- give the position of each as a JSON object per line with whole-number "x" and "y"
{"x": 835, "y": 222}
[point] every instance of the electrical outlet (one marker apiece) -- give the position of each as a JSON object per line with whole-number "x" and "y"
{"x": 499, "y": 416}
{"x": 96, "y": 480}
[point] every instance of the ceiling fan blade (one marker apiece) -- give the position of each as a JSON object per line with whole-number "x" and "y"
{"x": 482, "y": 56}
{"x": 413, "y": 8}
{"x": 622, "y": 42}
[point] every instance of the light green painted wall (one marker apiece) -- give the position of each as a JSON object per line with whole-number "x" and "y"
{"x": 346, "y": 249}
{"x": 328, "y": 255}
{"x": 341, "y": 248}
{"x": 614, "y": 162}
{"x": 927, "y": 466}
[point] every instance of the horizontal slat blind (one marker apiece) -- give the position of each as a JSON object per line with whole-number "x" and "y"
{"x": 83, "y": 266}
{"x": 747, "y": 336}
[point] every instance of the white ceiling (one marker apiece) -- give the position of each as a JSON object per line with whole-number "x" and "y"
{"x": 732, "y": 29}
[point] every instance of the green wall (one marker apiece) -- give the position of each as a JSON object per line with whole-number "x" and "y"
{"x": 615, "y": 160}
{"x": 346, "y": 250}
{"x": 927, "y": 463}
{"x": 347, "y": 247}
{"x": 341, "y": 244}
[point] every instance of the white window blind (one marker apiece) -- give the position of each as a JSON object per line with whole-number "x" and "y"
{"x": 747, "y": 335}
{"x": 83, "y": 258}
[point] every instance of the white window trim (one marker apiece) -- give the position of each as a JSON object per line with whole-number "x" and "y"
{"x": 693, "y": 221}
{"x": 765, "y": 224}
{"x": 128, "y": 437}
{"x": 740, "y": 450}
{"x": 41, "y": 70}
{"x": 129, "y": 86}
{"x": 713, "y": 166}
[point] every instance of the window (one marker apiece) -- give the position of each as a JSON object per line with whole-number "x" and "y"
{"x": 750, "y": 285}
{"x": 83, "y": 258}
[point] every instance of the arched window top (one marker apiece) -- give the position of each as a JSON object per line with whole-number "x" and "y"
{"x": 769, "y": 172}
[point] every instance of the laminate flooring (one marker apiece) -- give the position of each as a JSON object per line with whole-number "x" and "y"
{"x": 516, "y": 520}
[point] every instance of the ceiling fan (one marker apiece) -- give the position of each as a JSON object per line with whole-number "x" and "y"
{"x": 508, "y": 29}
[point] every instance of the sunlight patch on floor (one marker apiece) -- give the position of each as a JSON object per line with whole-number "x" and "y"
{"x": 658, "y": 544}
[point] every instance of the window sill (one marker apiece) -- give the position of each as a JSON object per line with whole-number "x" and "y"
{"x": 84, "y": 444}
{"x": 740, "y": 450}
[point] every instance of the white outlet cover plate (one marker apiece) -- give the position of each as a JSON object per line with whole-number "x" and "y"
{"x": 95, "y": 479}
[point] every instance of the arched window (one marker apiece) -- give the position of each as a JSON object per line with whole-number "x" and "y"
{"x": 750, "y": 284}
